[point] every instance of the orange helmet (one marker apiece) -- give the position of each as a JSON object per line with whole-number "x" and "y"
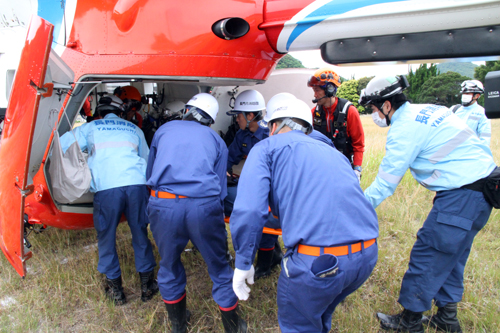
{"x": 128, "y": 92}
{"x": 322, "y": 76}
{"x": 130, "y": 96}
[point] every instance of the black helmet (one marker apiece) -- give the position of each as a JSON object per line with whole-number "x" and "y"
{"x": 382, "y": 88}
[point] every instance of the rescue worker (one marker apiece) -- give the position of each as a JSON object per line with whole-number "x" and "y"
{"x": 276, "y": 102}
{"x": 337, "y": 118}
{"x": 86, "y": 111}
{"x": 471, "y": 112}
{"x": 131, "y": 98}
{"x": 118, "y": 155}
{"x": 444, "y": 155}
{"x": 156, "y": 118}
{"x": 187, "y": 176}
{"x": 328, "y": 255}
{"x": 249, "y": 107}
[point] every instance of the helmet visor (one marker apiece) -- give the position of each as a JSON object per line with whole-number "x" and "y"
{"x": 233, "y": 112}
{"x": 365, "y": 99}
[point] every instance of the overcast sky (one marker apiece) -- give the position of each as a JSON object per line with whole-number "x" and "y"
{"x": 312, "y": 59}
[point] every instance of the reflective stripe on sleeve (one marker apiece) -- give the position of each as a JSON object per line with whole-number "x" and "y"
{"x": 119, "y": 144}
{"x": 474, "y": 118}
{"x": 435, "y": 175}
{"x": 485, "y": 135}
{"x": 451, "y": 145}
{"x": 388, "y": 177}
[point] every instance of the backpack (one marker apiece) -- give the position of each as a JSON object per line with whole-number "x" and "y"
{"x": 69, "y": 172}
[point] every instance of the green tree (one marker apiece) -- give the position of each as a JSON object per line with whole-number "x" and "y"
{"x": 481, "y": 71}
{"x": 363, "y": 82}
{"x": 289, "y": 62}
{"x": 443, "y": 89}
{"x": 417, "y": 79}
{"x": 349, "y": 91}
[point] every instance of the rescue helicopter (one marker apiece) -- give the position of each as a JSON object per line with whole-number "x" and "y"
{"x": 170, "y": 51}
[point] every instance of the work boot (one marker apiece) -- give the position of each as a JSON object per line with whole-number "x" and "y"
{"x": 406, "y": 321}
{"x": 178, "y": 316}
{"x": 264, "y": 261}
{"x": 445, "y": 319}
{"x": 149, "y": 286}
{"x": 232, "y": 322}
{"x": 267, "y": 260}
{"x": 114, "y": 290}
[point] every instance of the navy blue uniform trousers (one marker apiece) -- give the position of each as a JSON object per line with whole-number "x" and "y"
{"x": 267, "y": 241}
{"x": 176, "y": 221}
{"x": 438, "y": 258}
{"x": 306, "y": 302}
{"x": 109, "y": 206}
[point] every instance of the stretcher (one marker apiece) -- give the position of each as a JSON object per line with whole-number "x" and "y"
{"x": 266, "y": 230}
{"x": 234, "y": 179}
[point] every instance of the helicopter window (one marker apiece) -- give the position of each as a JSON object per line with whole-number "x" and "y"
{"x": 10, "y": 79}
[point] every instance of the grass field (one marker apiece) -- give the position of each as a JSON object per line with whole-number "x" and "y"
{"x": 63, "y": 292}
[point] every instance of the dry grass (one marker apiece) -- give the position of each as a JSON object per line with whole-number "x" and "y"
{"x": 63, "y": 290}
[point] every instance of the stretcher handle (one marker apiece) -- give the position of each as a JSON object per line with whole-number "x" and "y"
{"x": 266, "y": 230}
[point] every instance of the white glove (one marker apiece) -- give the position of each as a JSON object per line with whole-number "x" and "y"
{"x": 240, "y": 288}
{"x": 358, "y": 174}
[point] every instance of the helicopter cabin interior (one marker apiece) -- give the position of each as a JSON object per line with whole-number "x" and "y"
{"x": 157, "y": 92}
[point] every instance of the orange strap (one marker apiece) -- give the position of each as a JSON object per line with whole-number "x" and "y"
{"x": 336, "y": 251}
{"x": 273, "y": 214}
{"x": 166, "y": 195}
{"x": 266, "y": 230}
{"x": 271, "y": 231}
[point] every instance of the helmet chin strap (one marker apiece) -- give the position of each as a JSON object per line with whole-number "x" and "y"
{"x": 248, "y": 121}
{"x": 255, "y": 115}
{"x": 387, "y": 119}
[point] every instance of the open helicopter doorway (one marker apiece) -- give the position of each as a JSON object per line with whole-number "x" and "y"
{"x": 156, "y": 95}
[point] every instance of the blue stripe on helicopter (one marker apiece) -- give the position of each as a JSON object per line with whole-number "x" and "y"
{"x": 335, "y": 7}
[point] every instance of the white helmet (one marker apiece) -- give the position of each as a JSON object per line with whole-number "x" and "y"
{"x": 472, "y": 86}
{"x": 292, "y": 108}
{"x": 248, "y": 101}
{"x": 116, "y": 101}
{"x": 380, "y": 88}
{"x": 276, "y": 101}
{"x": 175, "y": 106}
{"x": 202, "y": 102}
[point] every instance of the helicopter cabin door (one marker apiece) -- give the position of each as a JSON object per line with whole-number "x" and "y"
{"x": 32, "y": 85}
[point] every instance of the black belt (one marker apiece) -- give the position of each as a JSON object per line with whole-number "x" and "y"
{"x": 478, "y": 185}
